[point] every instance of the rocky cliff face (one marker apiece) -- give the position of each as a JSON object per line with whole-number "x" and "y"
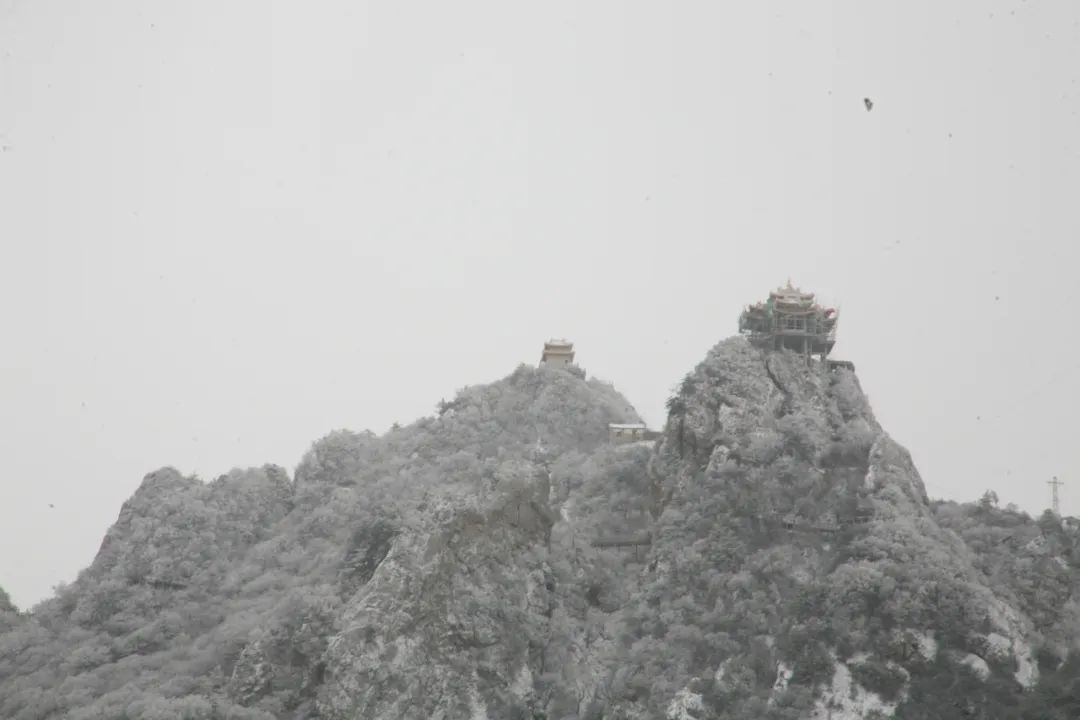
{"x": 816, "y": 578}
{"x": 451, "y": 569}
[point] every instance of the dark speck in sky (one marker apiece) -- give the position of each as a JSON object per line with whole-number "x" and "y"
{"x": 868, "y": 103}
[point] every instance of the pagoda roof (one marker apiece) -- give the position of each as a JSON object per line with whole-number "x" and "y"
{"x": 789, "y": 291}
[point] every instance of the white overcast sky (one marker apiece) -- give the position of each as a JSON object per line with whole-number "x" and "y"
{"x": 227, "y": 228}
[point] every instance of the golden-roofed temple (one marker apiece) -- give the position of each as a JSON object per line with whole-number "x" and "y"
{"x": 790, "y": 319}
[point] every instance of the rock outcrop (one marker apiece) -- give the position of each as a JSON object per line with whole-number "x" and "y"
{"x": 802, "y": 537}
{"x": 773, "y": 555}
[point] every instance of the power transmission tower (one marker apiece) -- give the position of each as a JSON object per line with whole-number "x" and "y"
{"x": 1055, "y": 501}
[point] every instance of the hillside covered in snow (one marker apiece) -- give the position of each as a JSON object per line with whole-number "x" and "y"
{"x": 773, "y": 554}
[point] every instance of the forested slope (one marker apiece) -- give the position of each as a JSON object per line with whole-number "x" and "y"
{"x": 795, "y": 569}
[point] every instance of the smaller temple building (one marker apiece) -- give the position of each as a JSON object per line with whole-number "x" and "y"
{"x": 557, "y": 353}
{"x": 621, "y": 433}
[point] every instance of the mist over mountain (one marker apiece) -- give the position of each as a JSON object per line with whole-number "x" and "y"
{"x": 772, "y": 554}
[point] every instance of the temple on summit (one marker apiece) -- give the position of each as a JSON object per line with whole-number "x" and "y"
{"x": 557, "y": 353}
{"x": 790, "y": 319}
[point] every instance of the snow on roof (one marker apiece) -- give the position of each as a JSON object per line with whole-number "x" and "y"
{"x": 626, "y": 426}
